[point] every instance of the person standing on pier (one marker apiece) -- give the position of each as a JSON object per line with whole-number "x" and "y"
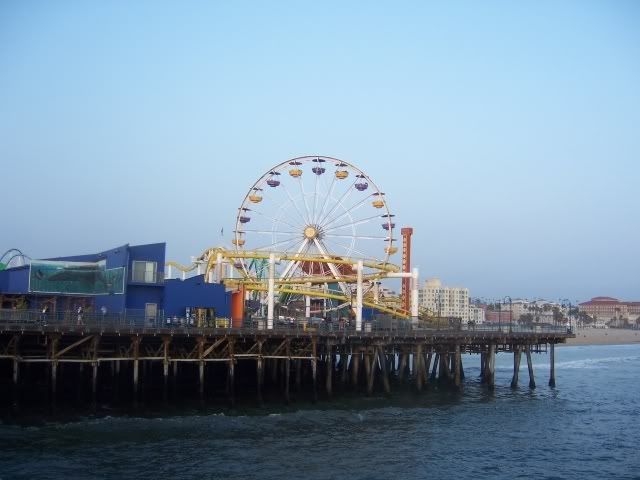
{"x": 45, "y": 311}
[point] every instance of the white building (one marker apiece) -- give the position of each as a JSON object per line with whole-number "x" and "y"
{"x": 445, "y": 301}
{"x": 541, "y": 310}
{"x": 476, "y": 314}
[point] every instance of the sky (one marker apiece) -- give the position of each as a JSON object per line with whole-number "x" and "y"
{"x": 507, "y": 134}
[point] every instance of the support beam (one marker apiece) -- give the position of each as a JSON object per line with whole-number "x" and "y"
{"x": 344, "y": 365}
{"x": 445, "y": 373}
{"x": 53, "y": 354}
{"x": 355, "y": 367}
{"x": 402, "y": 366}
{"x": 165, "y": 367}
{"x": 491, "y": 367}
{"x": 259, "y": 373}
{"x": 385, "y": 373}
{"x": 329, "y": 368}
{"x": 434, "y": 371}
{"x": 74, "y": 345}
{"x": 201, "y": 366}
{"x": 532, "y": 380}
{"x": 136, "y": 353}
{"x": 359, "y": 269}
{"x": 425, "y": 370}
{"x": 16, "y": 371}
{"x": 456, "y": 372}
{"x": 94, "y": 374}
{"x": 94, "y": 380}
{"x": 418, "y": 367}
{"x": 231, "y": 379}
{"x": 287, "y": 372}
{"x": 271, "y": 290}
{"x": 298, "y": 375}
{"x": 314, "y": 369}
{"x": 516, "y": 366}
{"x": 259, "y": 377}
{"x": 414, "y": 296}
{"x": 370, "y": 360}
{"x": 552, "y": 366}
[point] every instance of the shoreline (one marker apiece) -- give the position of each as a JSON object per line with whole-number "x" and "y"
{"x": 605, "y": 336}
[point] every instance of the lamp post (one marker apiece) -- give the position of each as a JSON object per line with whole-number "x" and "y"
{"x": 565, "y": 302}
{"x": 510, "y": 309}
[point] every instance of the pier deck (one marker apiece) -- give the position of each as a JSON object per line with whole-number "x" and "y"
{"x": 296, "y": 356}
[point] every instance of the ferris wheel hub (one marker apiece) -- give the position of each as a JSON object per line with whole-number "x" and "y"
{"x": 311, "y": 232}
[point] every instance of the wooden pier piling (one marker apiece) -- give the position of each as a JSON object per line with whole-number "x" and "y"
{"x": 355, "y": 368}
{"x": 516, "y": 366}
{"x": 418, "y": 367}
{"x": 384, "y": 371}
{"x": 329, "y": 370}
{"x": 532, "y": 381}
{"x": 314, "y": 368}
{"x": 457, "y": 363}
{"x": 552, "y": 367}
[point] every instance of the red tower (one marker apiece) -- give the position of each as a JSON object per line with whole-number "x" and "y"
{"x": 406, "y": 266}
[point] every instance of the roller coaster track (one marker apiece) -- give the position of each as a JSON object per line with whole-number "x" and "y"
{"x": 300, "y": 285}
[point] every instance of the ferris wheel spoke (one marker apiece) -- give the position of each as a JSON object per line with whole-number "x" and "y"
{"x": 293, "y": 264}
{"x": 354, "y": 223}
{"x": 270, "y": 232}
{"x": 304, "y": 200}
{"x": 294, "y": 203}
{"x": 344, "y": 196}
{"x": 315, "y": 198}
{"x": 352, "y": 249}
{"x": 347, "y": 211}
{"x": 323, "y": 250}
{"x": 326, "y": 198}
{"x": 274, "y": 219}
{"x": 359, "y": 237}
{"x": 271, "y": 245}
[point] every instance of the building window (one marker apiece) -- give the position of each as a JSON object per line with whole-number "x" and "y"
{"x": 144, "y": 272}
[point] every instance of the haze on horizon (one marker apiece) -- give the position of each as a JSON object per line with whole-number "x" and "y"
{"x": 505, "y": 134}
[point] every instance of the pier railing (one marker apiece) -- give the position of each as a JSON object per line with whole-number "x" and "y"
{"x": 137, "y": 321}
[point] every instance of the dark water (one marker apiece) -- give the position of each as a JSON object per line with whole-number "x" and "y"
{"x": 588, "y": 427}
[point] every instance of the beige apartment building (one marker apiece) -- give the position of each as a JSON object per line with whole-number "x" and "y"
{"x": 445, "y": 301}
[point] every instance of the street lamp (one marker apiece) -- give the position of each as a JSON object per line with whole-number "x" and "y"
{"x": 565, "y": 302}
{"x": 510, "y": 309}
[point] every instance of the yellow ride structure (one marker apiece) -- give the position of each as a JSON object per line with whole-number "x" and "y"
{"x": 218, "y": 264}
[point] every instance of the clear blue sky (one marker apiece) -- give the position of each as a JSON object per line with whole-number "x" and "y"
{"x": 506, "y": 133}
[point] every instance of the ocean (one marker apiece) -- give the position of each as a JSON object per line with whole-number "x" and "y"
{"x": 587, "y": 427}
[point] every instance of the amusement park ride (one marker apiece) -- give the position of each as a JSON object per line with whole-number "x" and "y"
{"x": 313, "y": 234}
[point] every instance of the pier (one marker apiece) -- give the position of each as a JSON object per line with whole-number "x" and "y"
{"x": 116, "y": 358}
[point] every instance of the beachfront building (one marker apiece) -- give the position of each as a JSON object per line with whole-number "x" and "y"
{"x": 447, "y": 302}
{"x": 611, "y": 310}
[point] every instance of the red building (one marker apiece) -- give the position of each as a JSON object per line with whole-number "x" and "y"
{"x": 609, "y": 308}
{"x": 497, "y": 316}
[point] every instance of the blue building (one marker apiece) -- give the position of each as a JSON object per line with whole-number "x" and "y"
{"x": 123, "y": 280}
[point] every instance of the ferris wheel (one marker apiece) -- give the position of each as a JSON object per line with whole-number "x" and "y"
{"x": 315, "y": 207}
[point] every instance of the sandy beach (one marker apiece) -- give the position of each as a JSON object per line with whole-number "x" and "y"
{"x": 609, "y": 336}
